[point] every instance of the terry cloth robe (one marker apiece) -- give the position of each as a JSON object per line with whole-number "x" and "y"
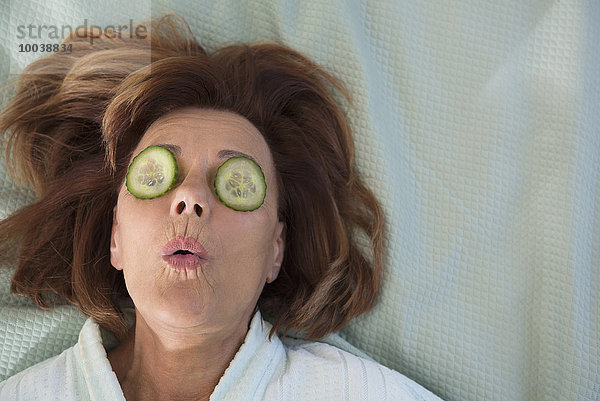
{"x": 260, "y": 370}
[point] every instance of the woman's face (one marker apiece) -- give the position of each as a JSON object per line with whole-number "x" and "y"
{"x": 245, "y": 249}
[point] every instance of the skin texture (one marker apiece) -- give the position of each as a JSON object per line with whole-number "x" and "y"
{"x": 190, "y": 323}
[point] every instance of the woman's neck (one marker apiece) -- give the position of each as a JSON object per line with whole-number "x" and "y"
{"x": 183, "y": 367}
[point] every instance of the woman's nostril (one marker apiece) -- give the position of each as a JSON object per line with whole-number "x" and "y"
{"x": 181, "y": 207}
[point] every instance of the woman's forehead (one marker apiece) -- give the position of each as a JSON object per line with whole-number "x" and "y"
{"x": 192, "y": 129}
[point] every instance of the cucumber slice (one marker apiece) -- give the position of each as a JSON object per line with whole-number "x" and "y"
{"x": 240, "y": 184}
{"x": 152, "y": 173}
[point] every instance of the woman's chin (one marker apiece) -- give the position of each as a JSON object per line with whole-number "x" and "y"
{"x": 179, "y": 304}
{"x": 180, "y": 313}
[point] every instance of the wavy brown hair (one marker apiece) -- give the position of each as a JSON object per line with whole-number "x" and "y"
{"x": 76, "y": 119}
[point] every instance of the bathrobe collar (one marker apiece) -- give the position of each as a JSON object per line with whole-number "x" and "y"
{"x": 246, "y": 377}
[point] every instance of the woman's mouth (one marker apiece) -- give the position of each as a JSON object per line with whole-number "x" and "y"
{"x": 184, "y": 253}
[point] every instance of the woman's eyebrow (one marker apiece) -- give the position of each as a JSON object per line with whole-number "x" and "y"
{"x": 173, "y": 148}
{"x": 225, "y": 153}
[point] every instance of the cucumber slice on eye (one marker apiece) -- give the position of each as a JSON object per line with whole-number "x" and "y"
{"x": 152, "y": 173}
{"x": 240, "y": 184}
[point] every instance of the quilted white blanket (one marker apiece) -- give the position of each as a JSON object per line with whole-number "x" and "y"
{"x": 477, "y": 124}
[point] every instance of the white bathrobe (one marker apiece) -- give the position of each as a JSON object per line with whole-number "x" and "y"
{"x": 260, "y": 370}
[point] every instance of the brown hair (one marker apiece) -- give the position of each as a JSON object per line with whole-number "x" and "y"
{"x": 76, "y": 119}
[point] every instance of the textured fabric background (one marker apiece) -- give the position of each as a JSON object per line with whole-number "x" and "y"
{"x": 478, "y": 127}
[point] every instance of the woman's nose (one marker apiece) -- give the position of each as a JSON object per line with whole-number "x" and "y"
{"x": 192, "y": 197}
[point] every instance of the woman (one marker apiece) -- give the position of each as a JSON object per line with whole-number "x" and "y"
{"x": 199, "y": 268}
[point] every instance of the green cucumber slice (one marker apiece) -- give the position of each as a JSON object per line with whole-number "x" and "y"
{"x": 152, "y": 173}
{"x": 240, "y": 184}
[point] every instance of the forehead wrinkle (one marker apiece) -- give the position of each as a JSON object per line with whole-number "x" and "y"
{"x": 222, "y": 117}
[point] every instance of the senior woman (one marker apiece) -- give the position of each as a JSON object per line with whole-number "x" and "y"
{"x": 207, "y": 189}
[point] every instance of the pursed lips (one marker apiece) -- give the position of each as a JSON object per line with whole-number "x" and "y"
{"x": 183, "y": 245}
{"x": 184, "y": 253}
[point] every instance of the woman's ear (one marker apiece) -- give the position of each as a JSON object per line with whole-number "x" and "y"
{"x": 115, "y": 250}
{"x": 278, "y": 248}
